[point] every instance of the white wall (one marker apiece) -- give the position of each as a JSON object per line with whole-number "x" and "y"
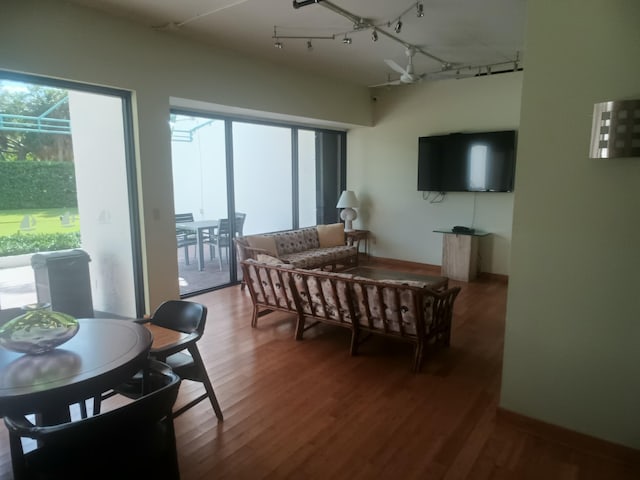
{"x": 200, "y": 173}
{"x": 571, "y": 355}
{"x": 58, "y": 39}
{"x": 383, "y": 167}
{"x": 572, "y": 346}
{"x": 103, "y": 201}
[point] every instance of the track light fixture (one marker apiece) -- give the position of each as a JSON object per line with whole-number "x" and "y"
{"x": 277, "y": 38}
{"x": 386, "y": 28}
{"x": 277, "y": 43}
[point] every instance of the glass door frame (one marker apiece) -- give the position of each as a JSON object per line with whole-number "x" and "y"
{"x": 130, "y": 164}
{"x": 229, "y": 158}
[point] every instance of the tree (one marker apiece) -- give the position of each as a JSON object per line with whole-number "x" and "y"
{"x": 33, "y": 101}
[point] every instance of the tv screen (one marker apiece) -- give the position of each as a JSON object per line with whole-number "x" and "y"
{"x": 467, "y": 162}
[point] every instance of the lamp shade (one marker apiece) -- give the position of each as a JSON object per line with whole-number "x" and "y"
{"x": 348, "y": 199}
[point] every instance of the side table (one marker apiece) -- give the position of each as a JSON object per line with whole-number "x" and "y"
{"x": 460, "y": 254}
{"x": 354, "y": 237}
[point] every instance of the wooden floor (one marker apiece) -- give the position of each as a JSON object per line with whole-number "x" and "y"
{"x": 307, "y": 410}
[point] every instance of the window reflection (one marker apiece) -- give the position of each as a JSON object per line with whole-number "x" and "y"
{"x": 478, "y": 155}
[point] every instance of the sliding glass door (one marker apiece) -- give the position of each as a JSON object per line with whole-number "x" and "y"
{"x": 262, "y": 176}
{"x": 69, "y": 183}
{"x": 238, "y": 177}
{"x": 306, "y": 169}
{"x": 199, "y": 159}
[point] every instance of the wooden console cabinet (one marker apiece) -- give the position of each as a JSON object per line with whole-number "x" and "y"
{"x": 460, "y": 255}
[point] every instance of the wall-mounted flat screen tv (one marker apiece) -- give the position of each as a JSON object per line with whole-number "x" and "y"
{"x": 467, "y": 162}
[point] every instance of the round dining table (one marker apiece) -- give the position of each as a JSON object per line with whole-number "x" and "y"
{"x": 103, "y": 354}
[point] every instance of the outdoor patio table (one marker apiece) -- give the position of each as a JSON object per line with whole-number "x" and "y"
{"x": 199, "y": 227}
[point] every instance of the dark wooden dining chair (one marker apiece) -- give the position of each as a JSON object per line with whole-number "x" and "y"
{"x": 136, "y": 440}
{"x": 185, "y": 238}
{"x": 183, "y": 355}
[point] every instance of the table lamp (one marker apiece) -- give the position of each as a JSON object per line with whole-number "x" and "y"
{"x": 348, "y": 202}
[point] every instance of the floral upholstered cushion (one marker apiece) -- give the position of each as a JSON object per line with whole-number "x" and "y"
{"x": 323, "y": 295}
{"x": 271, "y": 285}
{"x": 320, "y": 256}
{"x": 296, "y": 240}
{"x": 389, "y": 307}
{"x": 268, "y": 259}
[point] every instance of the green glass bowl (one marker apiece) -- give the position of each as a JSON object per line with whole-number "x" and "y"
{"x": 38, "y": 330}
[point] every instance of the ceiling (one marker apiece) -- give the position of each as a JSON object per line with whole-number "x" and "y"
{"x": 463, "y": 33}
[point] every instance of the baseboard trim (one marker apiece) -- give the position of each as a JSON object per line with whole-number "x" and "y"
{"x": 579, "y": 441}
{"x": 393, "y": 262}
{"x": 435, "y": 269}
{"x": 494, "y": 276}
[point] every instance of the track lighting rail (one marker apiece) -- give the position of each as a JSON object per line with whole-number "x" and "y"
{"x": 304, "y": 3}
{"x": 360, "y": 23}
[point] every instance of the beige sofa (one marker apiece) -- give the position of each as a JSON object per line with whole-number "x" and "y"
{"x": 408, "y": 311}
{"x": 311, "y": 247}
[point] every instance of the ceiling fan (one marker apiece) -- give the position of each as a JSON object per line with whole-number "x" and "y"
{"x": 407, "y": 75}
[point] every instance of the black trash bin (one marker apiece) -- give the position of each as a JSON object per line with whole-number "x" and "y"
{"x": 62, "y": 279}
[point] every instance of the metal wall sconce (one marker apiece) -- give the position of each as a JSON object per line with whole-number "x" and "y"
{"x": 615, "y": 132}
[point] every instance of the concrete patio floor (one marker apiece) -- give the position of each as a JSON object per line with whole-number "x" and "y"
{"x": 17, "y": 281}
{"x": 17, "y": 287}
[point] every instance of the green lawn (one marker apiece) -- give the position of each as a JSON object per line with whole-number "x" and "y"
{"x": 46, "y": 221}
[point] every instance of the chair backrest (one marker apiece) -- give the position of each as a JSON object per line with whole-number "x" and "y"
{"x": 223, "y": 227}
{"x": 181, "y": 315}
{"x": 269, "y": 285}
{"x": 184, "y": 217}
{"x": 240, "y": 223}
{"x": 324, "y": 296}
{"x": 114, "y": 435}
{"x": 28, "y": 223}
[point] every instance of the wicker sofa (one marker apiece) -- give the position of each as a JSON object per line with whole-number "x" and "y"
{"x": 408, "y": 311}
{"x": 312, "y": 247}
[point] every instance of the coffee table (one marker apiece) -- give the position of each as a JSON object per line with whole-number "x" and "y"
{"x": 435, "y": 282}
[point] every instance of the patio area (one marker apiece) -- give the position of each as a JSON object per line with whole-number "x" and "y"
{"x": 17, "y": 281}
{"x": 192, "y": 280}
{"x": 17, "y": 286}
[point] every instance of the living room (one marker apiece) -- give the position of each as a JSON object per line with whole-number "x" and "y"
{"x": 566, "y": 238}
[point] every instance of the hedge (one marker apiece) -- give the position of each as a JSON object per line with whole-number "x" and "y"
{"x": 19, "y": 243}
{"x": 31, "y": 184}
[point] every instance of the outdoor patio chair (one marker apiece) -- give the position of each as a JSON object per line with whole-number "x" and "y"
{"x": 28, "y": 223}
{"x": 221, "y": 237}
{"x": 185, "y": 238}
